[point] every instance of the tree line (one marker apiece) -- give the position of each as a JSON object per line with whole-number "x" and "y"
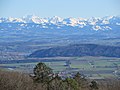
{"x": 43, "y": 78}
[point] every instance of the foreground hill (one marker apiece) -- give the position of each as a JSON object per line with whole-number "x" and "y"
{"x": 22, "y": 81}
{"x": 78, "y": 50}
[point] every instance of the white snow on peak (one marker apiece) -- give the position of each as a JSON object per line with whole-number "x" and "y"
{"x": 104, "y": 23}
{"x": 96, "y": 28}
{"x": 70, "y": 21}
{"x": 15, "y": 20}
{"x": 56, "y": 20}
{"x": 93, "y": 21}
{"x": 34, "y": 19}
{"x": 107, "y": 28}
{"x": 2, "y": 19}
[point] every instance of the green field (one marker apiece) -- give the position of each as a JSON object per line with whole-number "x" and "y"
{"x": 93, "y": 67}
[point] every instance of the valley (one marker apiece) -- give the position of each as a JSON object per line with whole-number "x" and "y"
{"x": 90, "y": 67}
{"x": 14, "y": 57}
{"x": 67, "y": 45}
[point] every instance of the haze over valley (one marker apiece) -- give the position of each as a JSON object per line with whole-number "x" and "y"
{"x": 60, "y": 45}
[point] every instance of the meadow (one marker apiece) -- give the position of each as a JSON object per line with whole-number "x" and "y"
{"x": 91, "y": 67}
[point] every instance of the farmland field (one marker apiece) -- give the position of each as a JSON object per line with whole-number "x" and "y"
{"x": 13, "y": 56}
{"x": 91, "y": 67}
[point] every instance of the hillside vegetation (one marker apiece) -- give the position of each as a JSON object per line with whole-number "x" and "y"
{"x": 44, "y": 79}
{"x": 78, "y": 50}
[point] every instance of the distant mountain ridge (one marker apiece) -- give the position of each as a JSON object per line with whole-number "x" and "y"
{"x": 78, "y": 50}
{"x": 105, "y": 23}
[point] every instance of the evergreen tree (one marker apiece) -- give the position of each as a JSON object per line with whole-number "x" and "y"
{"x": 82, "y": 82}
{"x": 71, "y": 84}
{"x": 42, "y": 73}
{"x": 93, "y": 85}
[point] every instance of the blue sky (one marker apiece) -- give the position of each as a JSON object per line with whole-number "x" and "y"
{"x": 62, "y": 8}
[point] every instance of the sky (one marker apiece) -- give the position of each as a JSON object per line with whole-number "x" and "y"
{"x": 62, "y": 8}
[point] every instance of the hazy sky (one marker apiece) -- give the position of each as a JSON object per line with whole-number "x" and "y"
{"x": 62, "y": 8}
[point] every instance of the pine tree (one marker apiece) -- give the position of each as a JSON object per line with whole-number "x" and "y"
{"x": 82, "y": 82}
{"x": 94, "y": 85}
{"x": 42, "y": 73}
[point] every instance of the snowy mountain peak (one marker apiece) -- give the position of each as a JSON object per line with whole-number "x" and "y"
{"x": 105, "y": 23}
{"x": 15, "y": 20}
{"x": 56, "y": 20}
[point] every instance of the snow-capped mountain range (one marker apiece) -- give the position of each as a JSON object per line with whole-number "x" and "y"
{"x": 32, "y": 21}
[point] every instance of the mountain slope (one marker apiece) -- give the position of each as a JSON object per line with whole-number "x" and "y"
{"x": 78, "y": 50}
{"x": 29, "y": 27}
{"x": 105, "y": 23}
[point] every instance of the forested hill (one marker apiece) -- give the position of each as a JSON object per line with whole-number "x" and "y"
{"x": 78, "y": 50}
